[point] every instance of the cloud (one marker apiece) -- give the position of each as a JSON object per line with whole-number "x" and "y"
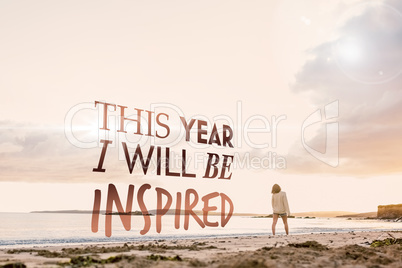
{"x": 43, "y": 154}
{"x": 361, "y": 68}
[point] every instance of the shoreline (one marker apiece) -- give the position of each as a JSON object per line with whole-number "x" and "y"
{"x": 147, "y": 239}
{"x": 323, "y": 249}
{"x": 258, "y": 227}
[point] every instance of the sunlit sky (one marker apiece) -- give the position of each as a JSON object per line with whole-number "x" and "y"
{"x": 240, "y": 63}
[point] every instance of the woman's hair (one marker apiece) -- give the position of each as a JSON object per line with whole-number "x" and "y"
{"x": 276, "y": 189}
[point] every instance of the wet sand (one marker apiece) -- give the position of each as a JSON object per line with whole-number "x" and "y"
{"x": 312, "y": 250}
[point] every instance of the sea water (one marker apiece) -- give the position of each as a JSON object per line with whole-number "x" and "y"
{"x": 30, "y": 229}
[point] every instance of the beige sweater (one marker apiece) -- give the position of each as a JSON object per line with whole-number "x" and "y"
{"x": 280, "y": 203}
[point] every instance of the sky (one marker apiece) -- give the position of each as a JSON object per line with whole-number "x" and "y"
{"x": 310, "y": 88}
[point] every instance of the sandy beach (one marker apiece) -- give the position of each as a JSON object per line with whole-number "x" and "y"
{"x": 312, "y": 250}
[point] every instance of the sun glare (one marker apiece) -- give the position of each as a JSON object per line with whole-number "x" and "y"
{"x": 350, "y": 50}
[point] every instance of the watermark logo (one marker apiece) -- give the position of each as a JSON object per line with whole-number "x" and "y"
{"x": 331, "y": 154}
{"x": 254, "y": 153}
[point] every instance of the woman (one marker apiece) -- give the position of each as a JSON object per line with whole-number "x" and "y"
{"x": 280, "y": 207}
